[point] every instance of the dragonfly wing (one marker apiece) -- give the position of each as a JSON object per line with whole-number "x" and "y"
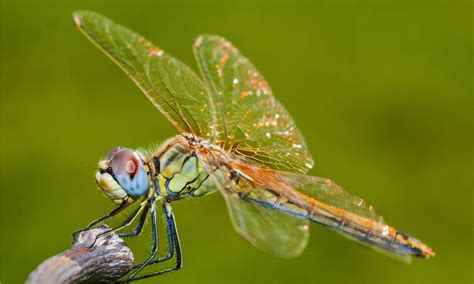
{"x": 268, "y": 229}
{"x": 171, "y": 86}
{"x": 250, "y": 121}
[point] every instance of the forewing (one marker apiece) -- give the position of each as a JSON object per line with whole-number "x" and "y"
{"x": 250, "y": 121}
{"x": 171, "y": 86}
{"x": 251, "y": 214}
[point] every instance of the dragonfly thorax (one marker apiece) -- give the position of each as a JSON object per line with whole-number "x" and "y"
{"x": 180, "y": 173}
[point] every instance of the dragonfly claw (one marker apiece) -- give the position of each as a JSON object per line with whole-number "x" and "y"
{"x": 76, "y": 234}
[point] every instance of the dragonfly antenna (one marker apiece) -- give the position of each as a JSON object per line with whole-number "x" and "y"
{"x": 92, "y": 167}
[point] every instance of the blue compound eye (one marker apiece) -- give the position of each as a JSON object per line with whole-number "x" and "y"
{"x": 130, "y": 173}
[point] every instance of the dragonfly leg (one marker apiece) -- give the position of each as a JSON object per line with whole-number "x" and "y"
{"x": 127, "y": 222}
{"x": 105, "y": 217}
{"x": 171, "y": 246}
{"x": 174, "y": 248}
{"x": 154, "y": 243}
{"x": 139, "y": 227}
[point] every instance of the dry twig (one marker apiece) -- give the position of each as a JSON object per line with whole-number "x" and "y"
{"x": 107, "y": 260}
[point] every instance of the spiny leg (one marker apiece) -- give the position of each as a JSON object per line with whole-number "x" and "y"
{"x": 169, "y": 235}
{"x": 154, "y": 243}
{"x": 105, "y": 217}
{"x": 139, "y": 227}
{"x": 173, "y": 246}
{"x": 126, "y": 223}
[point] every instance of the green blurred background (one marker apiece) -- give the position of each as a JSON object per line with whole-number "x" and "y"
{"x": 382, "y": 91}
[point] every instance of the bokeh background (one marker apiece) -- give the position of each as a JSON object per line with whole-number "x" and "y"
{"x": 382, "y": 91}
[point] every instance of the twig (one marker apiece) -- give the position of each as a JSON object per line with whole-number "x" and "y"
{"x": 107, "y": 260}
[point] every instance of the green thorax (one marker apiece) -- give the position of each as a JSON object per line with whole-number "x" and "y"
{"x": 179, "y": 172}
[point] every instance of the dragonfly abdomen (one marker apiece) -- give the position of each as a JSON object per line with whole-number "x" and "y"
{"x": 368, "y": 231}
{"x": 363, "y": 229}
{"x": 360, "y": 228}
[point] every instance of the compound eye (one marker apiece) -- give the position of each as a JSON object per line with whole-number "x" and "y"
{"x": 125, "y": 162}
{"x": 129, "y": 172}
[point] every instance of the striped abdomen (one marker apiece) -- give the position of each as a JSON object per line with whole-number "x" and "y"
{"x": 363, "y": 229}
{"x": 367, "y": 230}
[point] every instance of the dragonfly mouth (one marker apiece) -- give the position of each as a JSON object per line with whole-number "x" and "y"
{"x": 109, "y": 171}
{"x": 109, "y": 185}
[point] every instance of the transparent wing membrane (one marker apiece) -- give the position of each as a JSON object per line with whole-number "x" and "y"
{"x": 266, "y": 228}
{"x": 251, "y": 122}
{"x": 236, "y": 110}
{"x": 171, "y": 86}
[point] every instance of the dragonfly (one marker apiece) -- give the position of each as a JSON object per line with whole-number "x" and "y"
{"x": 234, "y": 137}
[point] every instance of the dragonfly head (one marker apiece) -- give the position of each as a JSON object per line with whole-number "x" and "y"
{"x": 122, "y": 175}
